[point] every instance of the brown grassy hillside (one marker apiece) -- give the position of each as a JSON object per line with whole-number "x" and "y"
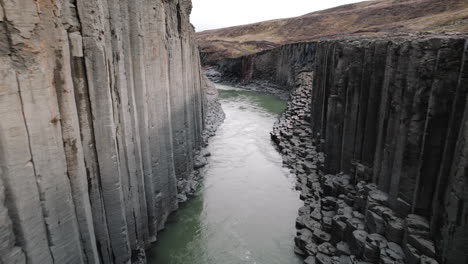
{"x": 364, "y": 18}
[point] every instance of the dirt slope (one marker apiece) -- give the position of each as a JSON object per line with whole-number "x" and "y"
{"x": 364, "y": 18}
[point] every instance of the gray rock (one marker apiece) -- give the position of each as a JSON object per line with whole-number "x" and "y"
{"x": 374, "y": 223}
{"x": 303, "y": 238}
{"x": 417, "y": 225}
{"x": 327, "y": 249}
{"x": 310, "y": 260}
{"x": 427, "y": 260}
{"x": 358, "y": 242}
{"x": 395, "y": 230}
{"x": 345, "y": 260}
{"x": 181, "y": 198}
{"x": 422, "y": 244}
{"x": 338, "y": 230}
{"x": 200, "y": 162}
{"x": 323, "y": 259}
{"x": 412, "y": 255}
{"x": 321, "y": 236}
{"x": 311, "y": 249}
{"x": 299, "y": 251}
{"x": 342, "y": 248}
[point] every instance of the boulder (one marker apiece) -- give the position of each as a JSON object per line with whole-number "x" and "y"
{"x": 357, "y": 242}
{"x": 321, "y": 236}
{"x": 327, "y": 249}
{"x": 310, "y": 260}
{"x": 323, "y": 259}
{"x": 342, "y": 248}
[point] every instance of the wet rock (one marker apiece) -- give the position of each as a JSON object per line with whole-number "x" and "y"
{"x": 342, "y": 248}
{"x": 311, "y": 249}
{"x": 345, "y": 260}
{"x": 300, "y": 221}
{"x": 377, "y": 241}
{"x": 299, "y": 251}
{"x": 323, "y": 259}
{"x": 312, "y": 224}
{"x": 327, "y": 249}
{"x": 352, "y": 225}
{"x": 304, "y": 210}
{"x": 205, "y": 153}
{"x": 200, "y": 162}
{"x": 357, "y": 242}
{"x": 329, "y": 203}
{"x": 321, "y": 236}
{"x": 402, "y": 207}
{"x": 310, "y": 260}
{"x": 316, "y": 214}
{"x": 338, "y": 229}
{"x": 395, "y": 230}
{"x": 304, "y": 237}
{"x": 327, "y": 224}
{"x": 412, "y": 255}
{"x": 428, "y": 260}
{"x": 374, "y": 243}
{"x": 374, "y": 223}
{"x": 422, "y": 244}
{"x": 417, "y": 225}
{"x": 371, "y": 254}
{"x": 377, "y": 197}
{"x": 181, "y": 198}
{"x": 393, "y": 254}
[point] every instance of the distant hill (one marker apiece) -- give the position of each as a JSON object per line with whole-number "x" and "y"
{"x": 364, "y": 18}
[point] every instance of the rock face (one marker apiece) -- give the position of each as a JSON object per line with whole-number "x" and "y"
{"x": 102, "y": 107}
{"x": 394, "y": 112}
{"x": 279, "y": 66}
{"x": 378, "y": 139}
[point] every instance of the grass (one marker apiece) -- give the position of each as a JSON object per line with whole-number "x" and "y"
{"x": 406, "y": 16}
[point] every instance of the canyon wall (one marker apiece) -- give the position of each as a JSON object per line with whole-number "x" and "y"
{"x": 102, "y": 106}
{"x": 391, "y": 113}
{"x": 394, "y": 112}
{"x": 279, "y": 66}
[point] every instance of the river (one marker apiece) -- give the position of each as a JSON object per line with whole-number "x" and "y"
{"x": 245, "y": 211}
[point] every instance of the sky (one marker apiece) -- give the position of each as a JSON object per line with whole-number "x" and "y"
{"x": 211, "y": 14}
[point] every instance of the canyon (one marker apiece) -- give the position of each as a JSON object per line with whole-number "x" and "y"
{"x": 106, "y": 114}
{"x": 376, "y": 133}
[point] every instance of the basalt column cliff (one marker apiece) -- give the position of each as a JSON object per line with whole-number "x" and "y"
{"x": 102, "y": 107}
{"x": 376, "y": 132}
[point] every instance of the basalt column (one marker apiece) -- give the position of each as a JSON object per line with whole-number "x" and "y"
{"x": 394, "y": 112}
{"x": 102, "y": 107}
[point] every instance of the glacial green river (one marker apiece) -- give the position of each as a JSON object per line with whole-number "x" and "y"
{"x": 246, "y": 209}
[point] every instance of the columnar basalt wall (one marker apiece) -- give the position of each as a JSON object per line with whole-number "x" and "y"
{"x": 102, "y": 106}
{"x": 279, "y": 66}
{"x": 390, "y": 114}
{"x": 394, "y": 112}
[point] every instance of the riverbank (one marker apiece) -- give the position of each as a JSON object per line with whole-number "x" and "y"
{"x": 215, "y": 116}
{"x": 343, "y": 220}
{"x": 245, "y": 209}
{"x": 391, "y": 116}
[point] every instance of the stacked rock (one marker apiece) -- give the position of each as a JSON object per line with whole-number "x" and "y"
{"x": 343, "y": 220}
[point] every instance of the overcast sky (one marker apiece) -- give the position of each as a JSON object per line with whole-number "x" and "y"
{"x": 211, "y": 14}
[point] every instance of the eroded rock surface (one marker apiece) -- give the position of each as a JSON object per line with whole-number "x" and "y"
{"x": 103, "y": 107}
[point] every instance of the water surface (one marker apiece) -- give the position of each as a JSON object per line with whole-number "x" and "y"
{"x": 245, "y": 211}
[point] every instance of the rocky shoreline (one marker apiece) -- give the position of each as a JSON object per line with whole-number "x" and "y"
{"x": 343, "y": 220}
{"x": 262, "y": 86}
{"x": 187, "y": 188}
